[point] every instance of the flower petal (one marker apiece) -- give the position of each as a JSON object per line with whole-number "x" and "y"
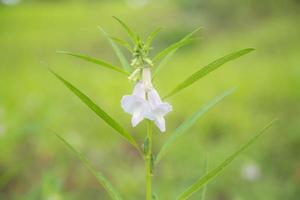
{"x": 128, "y": 103}
{"x": 139, "y": 90}
{"x": 137, "y": 117}
{"x": 154, "y": 98}
{"x": 162, "y": 109}
{"x": 160, "y": 123}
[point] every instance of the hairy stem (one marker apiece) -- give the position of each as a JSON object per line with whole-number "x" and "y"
{"x": 148, "y": 161}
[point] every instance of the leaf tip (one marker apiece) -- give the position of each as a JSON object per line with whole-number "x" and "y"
{"x": 54, "y": 73}
{"x": 118, "y": 19}
{"x": 250, "y": 49}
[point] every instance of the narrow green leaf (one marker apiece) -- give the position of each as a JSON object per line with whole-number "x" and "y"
{"x": 122, "y": 43}
{"x": 152, "y": 36}
{"x": 126, "y": 66}
{"x": 99, "y": 111}
{"x": 214, "y": 172}
{"x": 188, "y": 123}
{"x": 166, "y": 59}
{"x": 94, "y": 60}
{"x": 131, "y": 34}
{"x": 113, "y": 193}
{"x": 167, "y": 50}
{"x": 191, "y": 34}
{"x": 207, "y": 69}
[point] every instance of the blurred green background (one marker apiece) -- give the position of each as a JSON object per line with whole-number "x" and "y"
{"x": 34, "y": 164}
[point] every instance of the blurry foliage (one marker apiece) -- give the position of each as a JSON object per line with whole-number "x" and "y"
{"x": 34, "y": 163}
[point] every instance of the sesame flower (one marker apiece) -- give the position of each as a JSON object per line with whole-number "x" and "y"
{"x": 136, "y": 104}
{"x": 145, "y": 102}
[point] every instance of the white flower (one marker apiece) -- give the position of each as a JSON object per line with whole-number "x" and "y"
{"x": 158, "y": 109}
{"x": 146, "y": 103}
{"x": 136, "y": 104}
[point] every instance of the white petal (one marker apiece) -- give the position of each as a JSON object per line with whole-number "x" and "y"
{"x": 139, "y": 90}
{"x": 128, "y": 103}
{"x": 154, "y": 98}
{"x": 160, "y": 123}
{"x": 137, "y": 117}
{"x": 162, "y": 109}
{"x": 136, "y": 104}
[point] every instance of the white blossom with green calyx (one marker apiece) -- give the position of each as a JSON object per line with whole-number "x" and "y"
{"x": 158, "y": 108}
{"x": 136, "y": 104}
{"x": 145, "y": 103}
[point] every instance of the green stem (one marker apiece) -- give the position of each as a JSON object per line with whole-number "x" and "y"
{"x": 148, "y": 162}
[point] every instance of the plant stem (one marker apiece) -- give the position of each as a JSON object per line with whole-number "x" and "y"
{"x": 148, "y": 162}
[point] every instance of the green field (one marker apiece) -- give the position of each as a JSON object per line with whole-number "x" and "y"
{"x": 34, "y": 164}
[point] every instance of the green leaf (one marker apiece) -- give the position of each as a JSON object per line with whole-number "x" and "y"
{"x": 169, "y": 55}
{"x": 113, "y": 193}
{"x": 167, "y": 50}
{"x": 98, "y": 111}
{"x": 207, "y": 69}
{"x": 214, "y": 172}
{"x": 122, "y": 43}
{"x": 126, "y": 66}
{"x": 191, "y": 34}
{"x": 94, "y": 60}
{"x": 188, "y": 123}
{"x": 131, "y": 34}
{"x": 152, "y": 36}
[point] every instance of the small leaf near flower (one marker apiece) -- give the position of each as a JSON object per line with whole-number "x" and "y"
{"x": 94, "y": 60}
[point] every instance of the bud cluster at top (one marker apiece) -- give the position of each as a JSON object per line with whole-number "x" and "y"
{"x": 140, "y": 55}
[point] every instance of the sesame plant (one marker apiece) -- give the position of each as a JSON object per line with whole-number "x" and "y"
{"x": 146, "y": 104}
